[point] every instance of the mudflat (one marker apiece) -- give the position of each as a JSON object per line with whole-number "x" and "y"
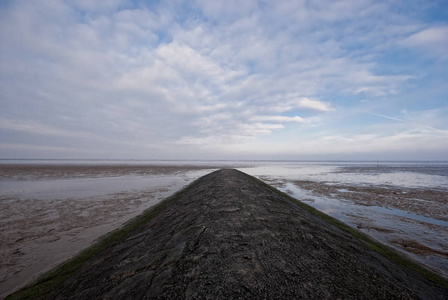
{"x": 230, "y": 236}
{"x": 48, "y": 213}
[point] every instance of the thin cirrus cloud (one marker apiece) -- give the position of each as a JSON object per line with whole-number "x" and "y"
{"x": 221, "y": 79}
{"x": 279, "y": 119}
{"x": 432, "y": 40}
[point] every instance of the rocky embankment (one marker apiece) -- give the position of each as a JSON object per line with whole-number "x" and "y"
{"x": 230, "y": 236}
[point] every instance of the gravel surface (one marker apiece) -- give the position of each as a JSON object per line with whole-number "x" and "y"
{"x": 229, "y": 236}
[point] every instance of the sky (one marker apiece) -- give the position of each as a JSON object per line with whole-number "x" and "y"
{"x": 224, "y": 79}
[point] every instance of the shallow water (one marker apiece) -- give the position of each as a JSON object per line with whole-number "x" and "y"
{"x": 79, "y": 188}
{"x": 410, "y": 176}
{"x": 416, "y": 226}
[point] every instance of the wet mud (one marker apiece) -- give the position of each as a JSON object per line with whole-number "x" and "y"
{"x": 63, "y": 209}
{"x": 426, "y": 202}
{"x": 413, "y": 220}
{"x": 51, "y": 171}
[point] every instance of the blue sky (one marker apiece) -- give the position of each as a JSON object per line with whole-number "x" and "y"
{"x": 350, "y": 79}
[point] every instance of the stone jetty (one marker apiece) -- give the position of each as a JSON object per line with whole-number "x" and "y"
{"x": 231, "y": 236}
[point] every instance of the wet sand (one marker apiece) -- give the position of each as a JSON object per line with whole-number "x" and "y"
{"x": 52, "y": 171}
{"x": 426, "y": 202}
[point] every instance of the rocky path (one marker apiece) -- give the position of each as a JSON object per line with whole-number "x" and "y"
{"x": 229, "y": 236}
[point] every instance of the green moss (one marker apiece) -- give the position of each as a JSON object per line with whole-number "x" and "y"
{"x": 55, "y": 277}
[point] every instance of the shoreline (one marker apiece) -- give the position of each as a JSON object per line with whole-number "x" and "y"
{"x": 132, "y": 188}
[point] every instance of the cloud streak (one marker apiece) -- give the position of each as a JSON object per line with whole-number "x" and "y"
{"x": 445, "y": 132}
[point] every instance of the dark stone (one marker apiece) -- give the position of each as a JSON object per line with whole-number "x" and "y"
{"x": 228, "y": 236}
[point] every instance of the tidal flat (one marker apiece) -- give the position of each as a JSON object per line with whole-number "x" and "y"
{"x": 48, "y": 213}
{"x": 51, "y": 211}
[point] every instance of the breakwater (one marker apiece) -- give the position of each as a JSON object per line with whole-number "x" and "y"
{"x": 230, "y": 236}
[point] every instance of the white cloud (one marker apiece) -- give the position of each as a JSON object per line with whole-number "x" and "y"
{"x": 97, "y": 6}
{"x": 36, "y": 128}
{"x": 43, "y": 149}
{"x": 433, "y": 40}
{"x": 279, "y": 119}
{"x": 227, "y": 9}
{"x": 428, "y": 36}
{"x": 293, "y": 102}
{"x": 313, "y": 104}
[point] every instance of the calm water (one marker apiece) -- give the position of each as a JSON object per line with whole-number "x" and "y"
{"x": 404, "y": 174}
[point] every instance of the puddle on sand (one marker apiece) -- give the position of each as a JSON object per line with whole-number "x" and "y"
{"x": 389, "y": 225}
{"x": 78, "y": 188}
